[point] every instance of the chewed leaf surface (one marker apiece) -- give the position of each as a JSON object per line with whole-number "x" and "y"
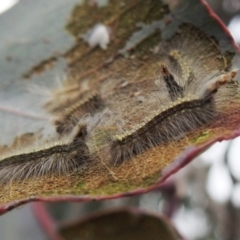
{"x": 162, "y": 83}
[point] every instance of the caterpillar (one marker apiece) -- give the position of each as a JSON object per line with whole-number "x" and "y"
{"x": 169, "y": 122}
{"x": 174, "y": 89}
{"x": 53, "y": 157}
{"x": 66, "y": 118}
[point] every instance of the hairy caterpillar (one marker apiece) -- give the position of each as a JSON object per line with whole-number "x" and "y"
{"x": 174, "y": 89}
{"x": 198, "y": 107}
{"x": 169, "y": 122}
{"x": 69, "y": 103}
{"x": 66, "y": 118}
{"x": 54, "y": 157}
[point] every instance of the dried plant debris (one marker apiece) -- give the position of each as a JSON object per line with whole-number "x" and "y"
{"x": 126, "y": 127}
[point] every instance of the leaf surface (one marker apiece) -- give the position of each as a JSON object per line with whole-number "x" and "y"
{"x": 123, "y": 73}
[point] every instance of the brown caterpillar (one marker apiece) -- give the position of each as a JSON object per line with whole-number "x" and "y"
{"x": 67, "y": 118}
{"x": 174, "y": 89}
{"x": 56, "y": 157}
{"x": 170, "y": 122}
